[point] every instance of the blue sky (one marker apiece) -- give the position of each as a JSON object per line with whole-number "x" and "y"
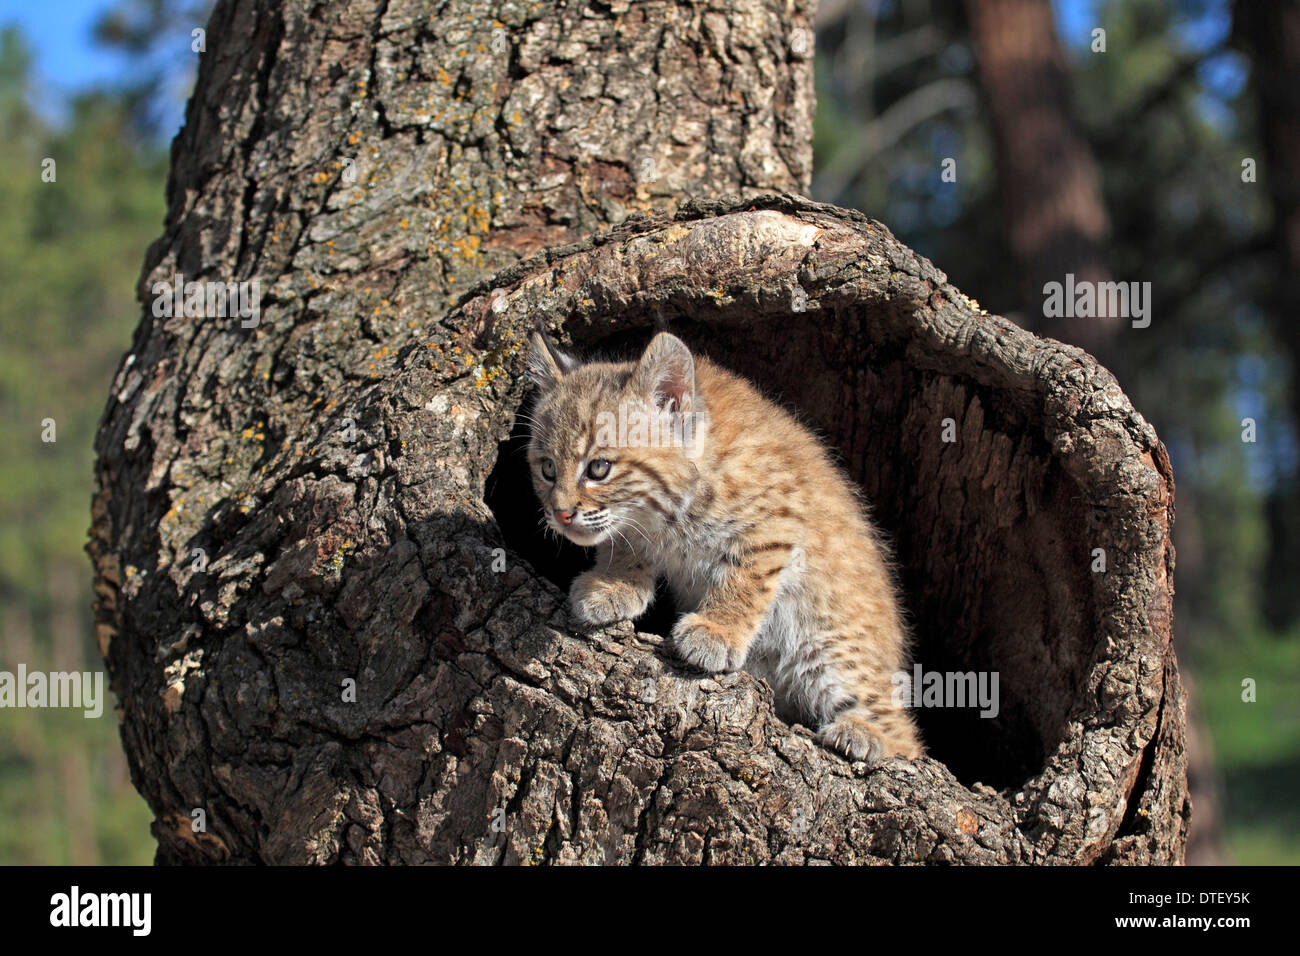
{"x": 60, "y": 32}
{"x": 67, "y": 58}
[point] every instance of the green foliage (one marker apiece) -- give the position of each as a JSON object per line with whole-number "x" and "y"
{"x": 65, "y": 796}
{"x": 69, "y": 256}
{"x": 1256, "y": 744}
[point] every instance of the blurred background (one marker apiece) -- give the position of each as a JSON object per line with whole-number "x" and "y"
{"x": 1164, "y": 149}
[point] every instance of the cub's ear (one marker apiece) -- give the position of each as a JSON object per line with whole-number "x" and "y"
{"x": 547, "y": 364}
{"x": 665, "y": 376}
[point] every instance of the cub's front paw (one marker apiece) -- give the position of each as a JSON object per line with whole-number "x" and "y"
{"x": 703, "y": 644}
{"x": 595, "y": 599}
{"x": 854, "y": 739}
{"x": 861, "y": 734}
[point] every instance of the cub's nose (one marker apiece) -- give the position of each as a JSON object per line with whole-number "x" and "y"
{"x": 564, "y": 517}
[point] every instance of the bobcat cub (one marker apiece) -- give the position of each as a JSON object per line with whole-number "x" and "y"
{"x": 674, "y": 468}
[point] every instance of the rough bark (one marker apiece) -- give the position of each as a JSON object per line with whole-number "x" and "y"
{"x": 348, "y": 470}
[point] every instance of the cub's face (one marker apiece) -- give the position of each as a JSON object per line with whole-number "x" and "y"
{"x": 604, "y": 459}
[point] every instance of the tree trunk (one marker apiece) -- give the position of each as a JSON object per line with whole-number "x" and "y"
{"x": 1270, "y": 34}
{"x": 334, "y": 496}
{"x": 1051, "y": 187}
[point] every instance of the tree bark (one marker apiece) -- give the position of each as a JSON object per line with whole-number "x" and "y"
{"x": 334, "y": 495}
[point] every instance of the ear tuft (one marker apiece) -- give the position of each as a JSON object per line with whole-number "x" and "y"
{"x": 547, "y": 365}
{"x": 665, "y": 375}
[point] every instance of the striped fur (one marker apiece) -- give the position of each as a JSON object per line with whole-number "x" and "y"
{"x": 753, "y": 526}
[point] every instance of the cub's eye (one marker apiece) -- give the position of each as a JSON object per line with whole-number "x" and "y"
{"x": 548, "y": 469}
{"x": 598, "y": 470}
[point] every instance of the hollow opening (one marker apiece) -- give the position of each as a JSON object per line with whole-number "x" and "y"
{"x": 986, "y": 529}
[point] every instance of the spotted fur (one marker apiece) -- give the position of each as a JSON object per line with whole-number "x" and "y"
{"x": 757, "y": 532}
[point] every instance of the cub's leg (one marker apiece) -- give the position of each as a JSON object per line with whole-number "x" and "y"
{"x": 618, "y": 588}
{"x": 717, "y": 636}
